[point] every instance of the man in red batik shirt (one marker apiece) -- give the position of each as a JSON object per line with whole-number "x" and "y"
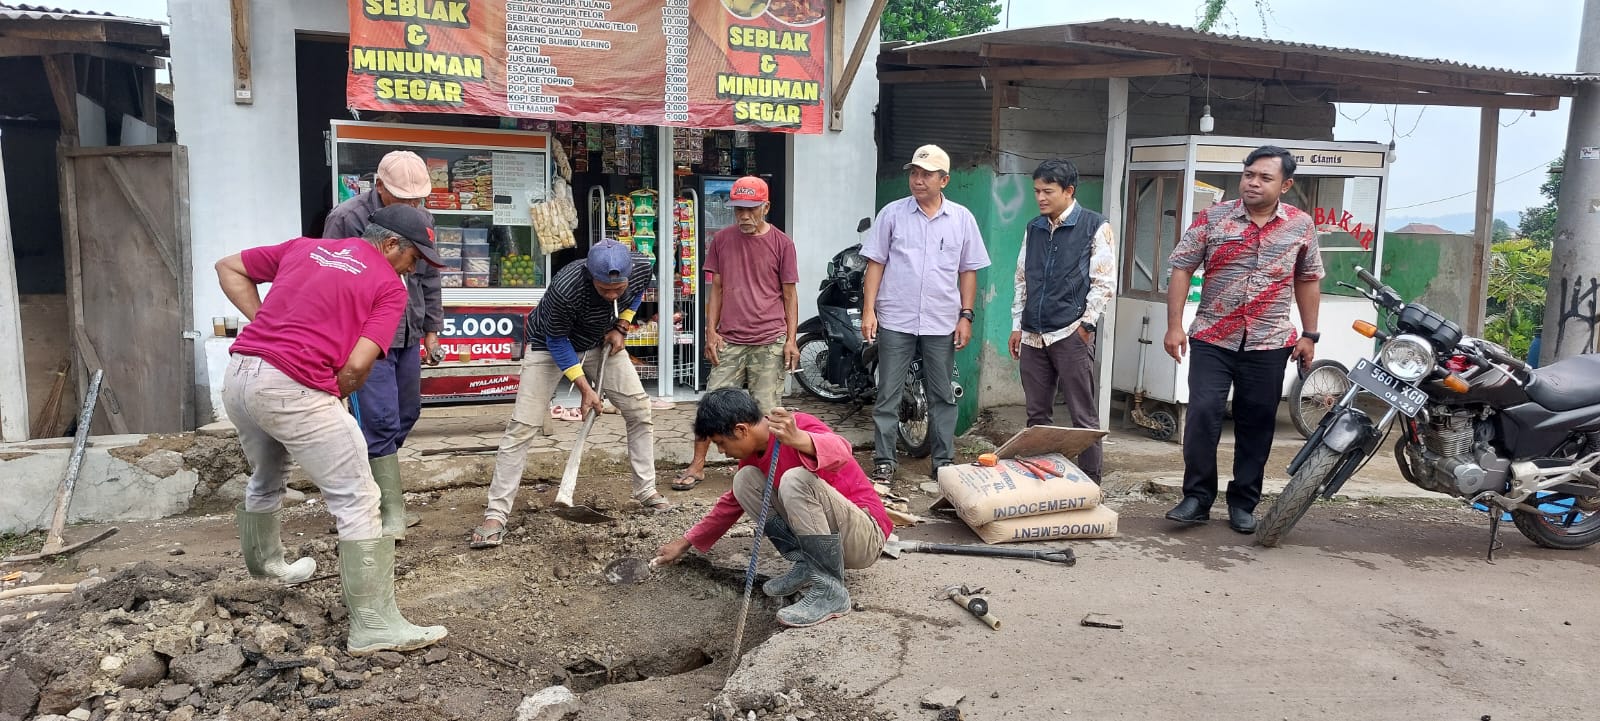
{"x": 1259, "y": 255}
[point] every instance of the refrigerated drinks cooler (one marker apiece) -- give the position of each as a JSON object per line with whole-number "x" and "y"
{"x": 484, "y": 182}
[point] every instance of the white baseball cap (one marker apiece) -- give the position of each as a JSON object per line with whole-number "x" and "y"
{"x": 930, "y": 157}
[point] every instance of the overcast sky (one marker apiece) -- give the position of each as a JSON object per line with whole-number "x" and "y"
{"x": 1436, "y": 146}
{"x": 1439, "y": 157}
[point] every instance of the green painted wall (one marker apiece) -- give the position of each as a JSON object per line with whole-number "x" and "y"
{"x": 1003, "y": 206}
{"x": 1411, "y": 262}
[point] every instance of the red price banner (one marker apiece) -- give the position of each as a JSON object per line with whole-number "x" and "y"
{"x": 741, "y": 64}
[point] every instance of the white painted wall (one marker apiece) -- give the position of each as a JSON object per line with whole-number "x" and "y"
{"x": 244, "y": 170}
{"x": 833, "y": 175}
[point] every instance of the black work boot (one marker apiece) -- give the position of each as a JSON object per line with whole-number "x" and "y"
{"x": 788, "y": 546}
{"x": 826, "y": 597}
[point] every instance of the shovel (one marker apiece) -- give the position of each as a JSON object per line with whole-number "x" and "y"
{"x": 564, "y": 508}
{"x": 894, "y": 549}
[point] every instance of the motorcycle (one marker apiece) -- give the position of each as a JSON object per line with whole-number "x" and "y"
{"x": 1475, "y": 423}
{"x": 838, "y": 365}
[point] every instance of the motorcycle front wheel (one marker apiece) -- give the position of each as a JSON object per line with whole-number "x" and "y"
{"x": 1298, "y": 496}
{"x": 1312, "y": 395}
{"x": 1564, "y": 521}
{"x": 813, "y": 354}
{"x": 915, "y": 433}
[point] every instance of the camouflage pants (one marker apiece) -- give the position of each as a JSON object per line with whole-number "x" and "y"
{"x": 756, "y": 368}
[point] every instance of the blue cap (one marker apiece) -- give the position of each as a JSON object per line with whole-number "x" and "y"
{"x": 610, "y": 262}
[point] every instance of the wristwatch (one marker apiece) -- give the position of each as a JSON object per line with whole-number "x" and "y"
{"x": 966, "y": 314}
{"x": 1087, "y": 326}
{"x": 1311, "y": 334}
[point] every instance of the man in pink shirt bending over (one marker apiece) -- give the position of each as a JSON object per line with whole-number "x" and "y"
{"x": 332, "y": 311}
{"x": 824, "y": 515}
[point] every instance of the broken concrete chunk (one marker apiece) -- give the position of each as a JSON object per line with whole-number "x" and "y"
{"x": 143, "y": 670}
{"x": 209, "y": 667}
{"x": 549, "y": 704}
{"x": 175, "y": 693}
{"x": 944, "y": 697}
{"x": 271, "y": 637}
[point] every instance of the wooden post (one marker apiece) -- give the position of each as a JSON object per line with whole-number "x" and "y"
{"x": 842, "y": 89}
{"x": 13, "y": 374}
{"x": 240, "y": 13}
{"x": 1116, "y": 167}
{"x": 62, "y": 72}
{"x": 1483, "y": 229}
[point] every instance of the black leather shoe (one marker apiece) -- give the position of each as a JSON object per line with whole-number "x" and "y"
{"x": 1241, "y": 520}
{"x": 1189, "y": 511}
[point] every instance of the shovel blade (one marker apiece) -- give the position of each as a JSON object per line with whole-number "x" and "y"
{"x": 627, "y": 570}
{"x": 581, "y": 514}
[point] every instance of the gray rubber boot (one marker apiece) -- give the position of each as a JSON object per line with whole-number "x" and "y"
{"x": 788, "y": 546}
{"x": 366, "y": 569}
{"x": 392, "y": 496}
{"x": 826, "y": 597}
{"x": 262, "y": 544}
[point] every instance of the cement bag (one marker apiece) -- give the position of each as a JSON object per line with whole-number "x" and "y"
{"x": 984, "y": 494}
{"x": 1096, "y": 522}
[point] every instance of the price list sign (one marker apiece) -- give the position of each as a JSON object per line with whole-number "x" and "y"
{"x": 740, "y": 64}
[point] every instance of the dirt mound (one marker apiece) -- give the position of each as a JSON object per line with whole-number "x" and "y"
{"x": 182, "y": 642}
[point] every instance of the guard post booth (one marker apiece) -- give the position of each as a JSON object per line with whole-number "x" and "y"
{"x": 1170, "y": 180}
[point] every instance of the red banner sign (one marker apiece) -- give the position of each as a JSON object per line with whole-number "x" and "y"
{"x": 750, "y": 64}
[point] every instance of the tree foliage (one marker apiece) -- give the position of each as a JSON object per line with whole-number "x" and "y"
{"x": 1211, "y": 12}
{"x": 923, "y": 20}
{"x": 1519, "y": 270}
{"x": 1538, "y": 224}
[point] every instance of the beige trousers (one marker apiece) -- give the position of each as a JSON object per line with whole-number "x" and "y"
{"x": 279, "y": 419}
{"x": 540, "y": 375}
{"x": 813, "y": 508}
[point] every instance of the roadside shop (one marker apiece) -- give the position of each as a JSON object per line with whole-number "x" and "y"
{"x": 546, "y": 126}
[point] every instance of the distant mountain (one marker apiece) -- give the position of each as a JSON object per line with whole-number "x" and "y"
{"x": 1457, "y": 222}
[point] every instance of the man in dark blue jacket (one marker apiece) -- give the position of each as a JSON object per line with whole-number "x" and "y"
{"x": 1066, "y": 276}
{"x": 578, "y": 325}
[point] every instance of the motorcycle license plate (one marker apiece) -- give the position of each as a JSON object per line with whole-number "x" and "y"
{"x": 1406, "y": 398}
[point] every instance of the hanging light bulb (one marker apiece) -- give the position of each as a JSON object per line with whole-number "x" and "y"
{"x": 1391, "y": 156}
{"x": 1207, "y": 123}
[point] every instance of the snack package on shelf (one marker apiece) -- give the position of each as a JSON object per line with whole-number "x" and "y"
{"x": 439, "y": 174}
{"x": 563, "y": 165}
{"x": 550, "y": 226}
{"x": 561, "y": 195}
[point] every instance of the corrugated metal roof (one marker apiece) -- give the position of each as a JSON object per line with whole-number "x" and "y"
{"x": 1063, "y": 33}
{"x": 14, "y": 11}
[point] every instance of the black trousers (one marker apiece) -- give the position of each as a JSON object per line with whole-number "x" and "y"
{"x": 1068, "y": 366}
{"x": 1256, "y": 378}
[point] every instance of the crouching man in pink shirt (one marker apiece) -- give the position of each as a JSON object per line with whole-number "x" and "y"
{"x": 824, "y": 515}
{"x": 332, "y": 311}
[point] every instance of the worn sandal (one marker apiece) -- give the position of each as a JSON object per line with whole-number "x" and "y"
{"x": 566, "y": 414}
{"x": 485, "y": 537}
{"x": 687, "y": 481}
{"x": 657, "y": 503}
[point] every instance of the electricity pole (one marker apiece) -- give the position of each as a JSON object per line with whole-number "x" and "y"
{"x": 1572, "y": 302}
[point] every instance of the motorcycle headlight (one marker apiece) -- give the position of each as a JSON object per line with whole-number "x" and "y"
{"x": 1407, "y": 357}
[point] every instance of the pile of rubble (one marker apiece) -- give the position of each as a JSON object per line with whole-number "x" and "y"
{"x": 176, "y": 644}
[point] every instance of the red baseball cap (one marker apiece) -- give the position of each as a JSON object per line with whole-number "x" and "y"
{"x": 748, "y": 192}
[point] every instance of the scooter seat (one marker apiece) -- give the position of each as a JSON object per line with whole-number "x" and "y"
{"x": 1567, "y": 385}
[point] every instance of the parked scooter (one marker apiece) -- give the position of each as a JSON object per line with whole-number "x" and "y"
{"x": 837, "y": 364}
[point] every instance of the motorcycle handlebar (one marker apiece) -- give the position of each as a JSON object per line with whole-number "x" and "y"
{"x": 1494, "y": 353}
{"x": 1382, "y": 294}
